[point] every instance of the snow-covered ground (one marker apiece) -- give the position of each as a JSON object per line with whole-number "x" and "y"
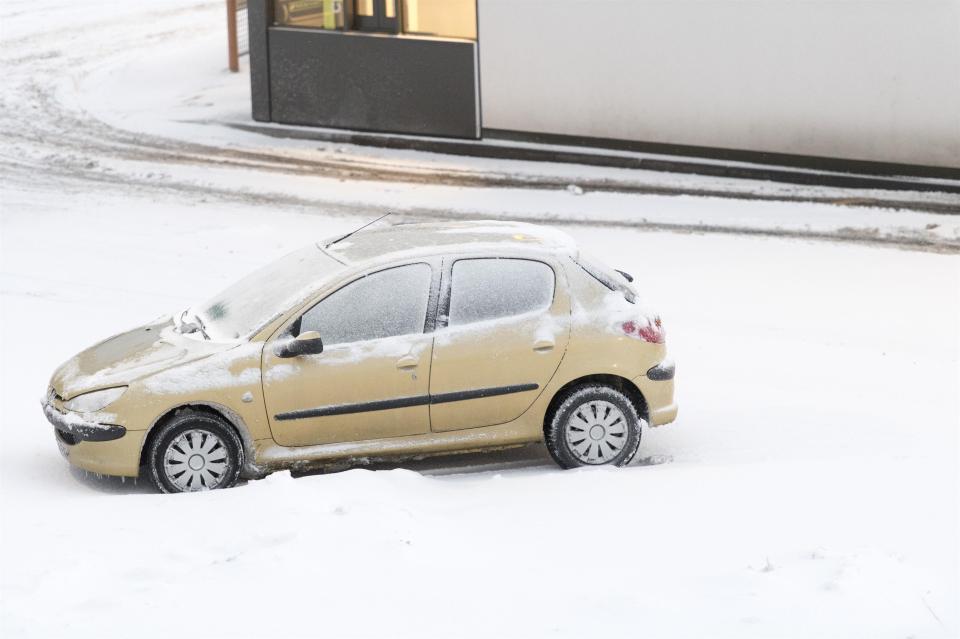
{"x": 808, "y": 488}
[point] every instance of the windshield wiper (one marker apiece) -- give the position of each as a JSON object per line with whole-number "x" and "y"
{"x": 202, "y": 327}
{"x": 192, "y": 327}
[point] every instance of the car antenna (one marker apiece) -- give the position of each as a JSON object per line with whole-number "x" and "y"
{"x": 359, "y": 229}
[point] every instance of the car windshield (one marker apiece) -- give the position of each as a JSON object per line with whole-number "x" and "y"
{"x": 251, "y": 303}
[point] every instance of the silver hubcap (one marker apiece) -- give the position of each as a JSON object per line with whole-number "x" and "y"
{"x": 596, "y": 432}
{"x": 195, "y": 460}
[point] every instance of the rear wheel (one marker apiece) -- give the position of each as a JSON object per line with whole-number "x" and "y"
{"x": 195, "y": 451}
{"x": 594, "y": 426}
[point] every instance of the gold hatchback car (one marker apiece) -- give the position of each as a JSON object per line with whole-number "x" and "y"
{"x": 412, "y": 340}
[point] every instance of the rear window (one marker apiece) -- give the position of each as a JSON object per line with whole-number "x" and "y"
{"x": 606, "y": 276}
{"x": 490, "y": 288}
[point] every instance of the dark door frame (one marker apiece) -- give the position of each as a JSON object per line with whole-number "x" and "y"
{"x": 379, "y": 22}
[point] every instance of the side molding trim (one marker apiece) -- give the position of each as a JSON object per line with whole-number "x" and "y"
{"x": 404, "y": 402}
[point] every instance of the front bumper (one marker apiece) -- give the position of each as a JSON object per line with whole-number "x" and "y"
{"x": 108, "y": 449}
{"x": 74, "y": 429}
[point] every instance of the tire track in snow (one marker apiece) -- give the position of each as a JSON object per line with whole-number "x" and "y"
{"x": 49, "y": 143}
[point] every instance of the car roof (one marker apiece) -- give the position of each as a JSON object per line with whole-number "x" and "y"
{"x": 435, "y": 238}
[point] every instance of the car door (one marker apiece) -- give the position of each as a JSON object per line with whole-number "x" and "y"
{"x": 372, "y": 378}
{"x": 506, "y": 323}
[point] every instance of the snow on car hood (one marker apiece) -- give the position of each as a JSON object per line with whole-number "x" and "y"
{"x": 129, "y": 356}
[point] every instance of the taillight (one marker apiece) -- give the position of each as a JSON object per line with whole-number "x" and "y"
{"x": 648, "y": 331}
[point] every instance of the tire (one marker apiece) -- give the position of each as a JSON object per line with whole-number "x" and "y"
{"x": 594, "y": 425}
{"x": 195, "y": 451}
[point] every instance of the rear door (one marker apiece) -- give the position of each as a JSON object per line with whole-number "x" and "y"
{"x": 372, "y": 378}
{"x": 503, "y": 328}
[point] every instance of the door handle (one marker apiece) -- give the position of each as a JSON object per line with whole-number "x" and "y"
{"x": 407, "y": 362}
{"x": 544, "y": 345}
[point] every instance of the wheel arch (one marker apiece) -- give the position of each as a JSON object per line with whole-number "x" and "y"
{"x": 248, "y": 470}
{"x": 622, "y": 384}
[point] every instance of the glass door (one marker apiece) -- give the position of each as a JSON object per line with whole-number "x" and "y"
{"x": 376, "y": 15}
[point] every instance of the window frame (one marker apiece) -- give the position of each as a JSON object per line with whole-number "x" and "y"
{"x": 425, "y": 34}
{"x": 291, "y": 328}
{"x": 379, "y": 22}
{"x": 345, "y": 17}
{"x": 446, "y": 292}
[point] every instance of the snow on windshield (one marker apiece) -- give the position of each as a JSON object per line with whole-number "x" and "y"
{"x": 256, "y": 299}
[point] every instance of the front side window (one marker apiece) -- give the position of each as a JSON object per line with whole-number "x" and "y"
{"x": 489, "y": 288}
{"x": 382, "y": 304}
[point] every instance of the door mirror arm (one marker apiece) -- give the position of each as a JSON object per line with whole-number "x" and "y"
{"x": 307, "y": 343}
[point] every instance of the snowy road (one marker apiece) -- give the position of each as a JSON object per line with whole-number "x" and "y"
{"x": 135, "y": 97}
{"x": 809, "y": 487}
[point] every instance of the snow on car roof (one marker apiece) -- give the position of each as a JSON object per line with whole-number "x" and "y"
{"x": 446, "y": 237}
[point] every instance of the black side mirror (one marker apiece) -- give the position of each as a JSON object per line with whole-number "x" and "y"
{"x": 626, "y": 275}
{"x": 308, "y": 343}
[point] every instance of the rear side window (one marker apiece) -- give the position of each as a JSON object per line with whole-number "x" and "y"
{"x": 488, "y": 288}
{"x": 381, "y": 304}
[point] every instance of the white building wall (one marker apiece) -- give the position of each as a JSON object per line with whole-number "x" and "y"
{"x": 858, "y": 79}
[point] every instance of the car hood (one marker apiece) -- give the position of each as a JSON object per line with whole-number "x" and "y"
{"x": 129, "y": 356}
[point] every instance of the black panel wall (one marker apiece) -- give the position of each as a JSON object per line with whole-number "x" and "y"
{"x": 258, "y": 20}
{"x": 370, "y": 82}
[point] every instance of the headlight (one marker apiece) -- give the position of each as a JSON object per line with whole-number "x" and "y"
{"x": 97, "y": 400}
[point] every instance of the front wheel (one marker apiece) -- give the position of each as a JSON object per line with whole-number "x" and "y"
{"x": 594, "y": 426}
{"x": 195, "y": 451}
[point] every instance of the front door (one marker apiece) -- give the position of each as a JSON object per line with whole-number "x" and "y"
{"x": 376, "y": 15}
{"x": 372, "y": 378}
{"x": 508, "y": 323}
